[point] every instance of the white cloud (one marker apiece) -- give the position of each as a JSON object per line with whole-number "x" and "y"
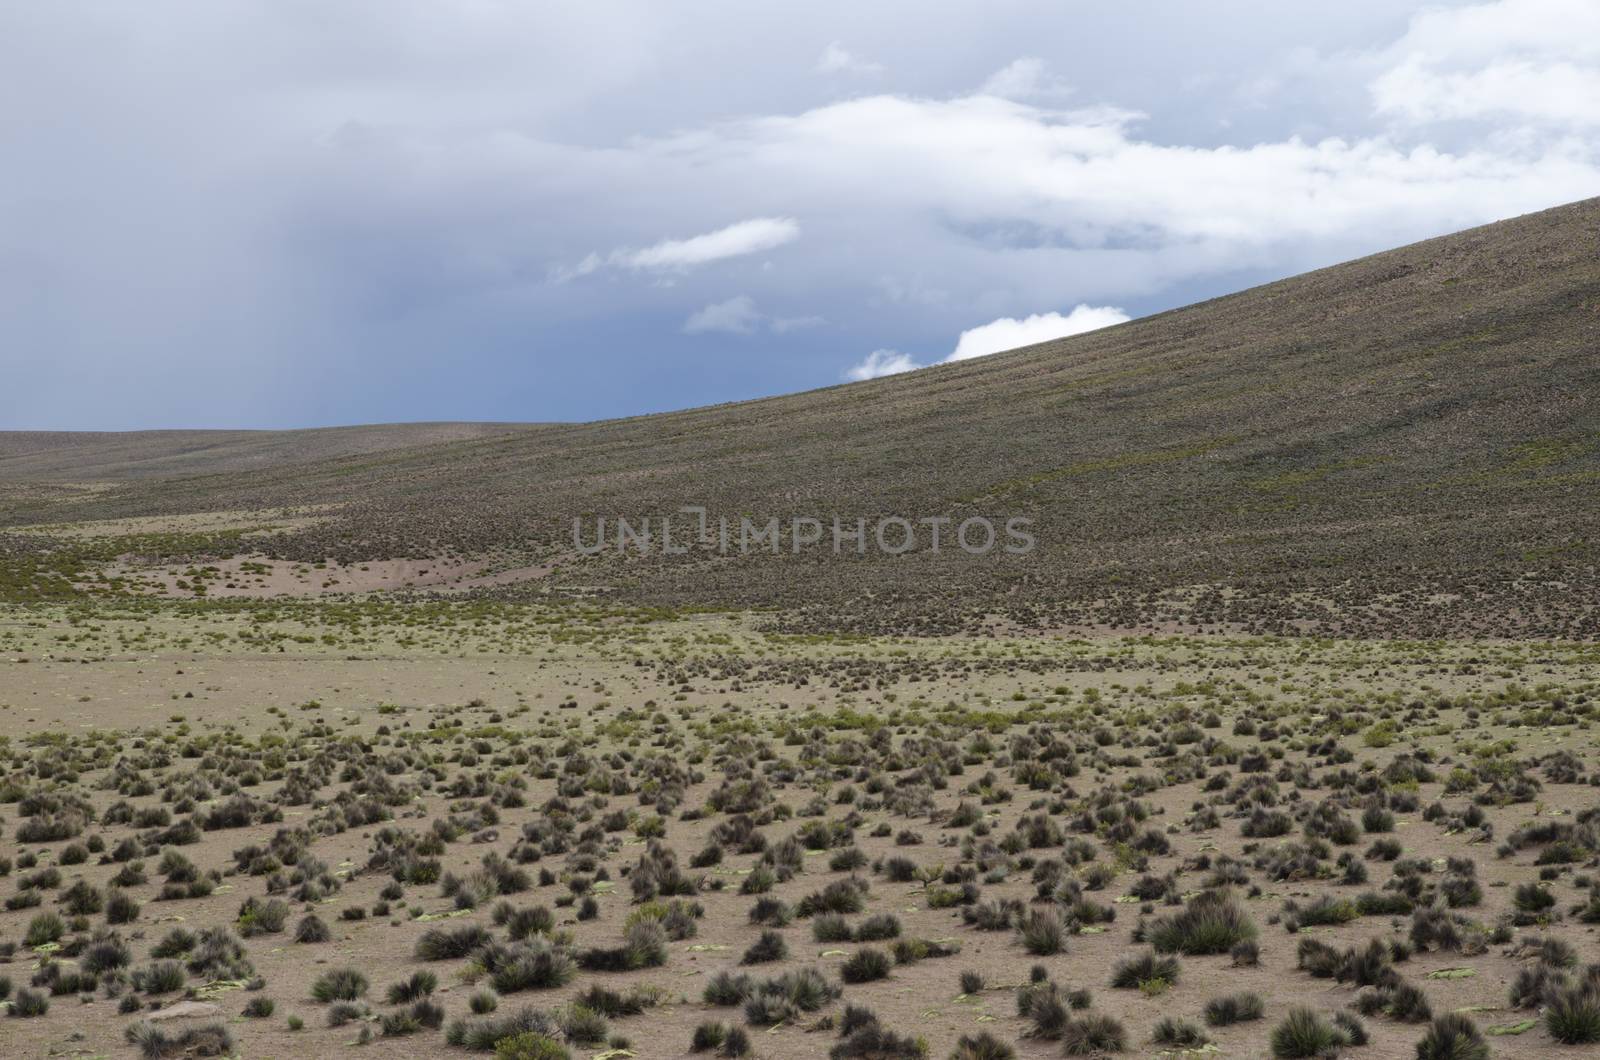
{"x": 1025, "y": 78}
{"x": 836, "y": 60}
{"x": 1559, "y": 93}
{"x": 737, "y": 316}
{"x": 1008, "y": 333}
{"x": 745, "y": 237}
{"x": 736, "y": 240}
{"x": 881, "y": 363}
{"x": 1529, "y": 60}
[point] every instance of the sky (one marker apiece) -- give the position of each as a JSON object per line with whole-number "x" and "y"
{"x": 288, "y": 213}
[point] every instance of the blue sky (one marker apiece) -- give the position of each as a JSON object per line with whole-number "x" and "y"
{"x": 305, "y": 212}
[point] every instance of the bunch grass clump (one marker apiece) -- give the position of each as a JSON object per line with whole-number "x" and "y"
{"x": 1212, "y": 922}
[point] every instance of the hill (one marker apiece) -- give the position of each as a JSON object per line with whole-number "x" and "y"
{"x": 1405, "y": 445}
{"x": 99, "y": 456}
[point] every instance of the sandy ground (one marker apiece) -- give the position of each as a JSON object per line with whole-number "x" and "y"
{"x": 256, "y": 520}
{"x": 570, "y": 689}
{"x": 260, "y": 577}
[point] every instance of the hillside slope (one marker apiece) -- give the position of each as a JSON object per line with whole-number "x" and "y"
{"x": 1408, "y": 444}
{"x": 98, "y": 456}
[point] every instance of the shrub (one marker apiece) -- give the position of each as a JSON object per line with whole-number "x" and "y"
{"x": 781, "y": 999}
{"x": 773, "y": 912}
{"x": 533, "y": 920}
{"x": 1322, "y": 912}
{"x": 1383, "y": 903}
{"x": 121, "y": 907}
{"x": 29, "y": 1003}
{"x": 878, "y": 927}
{"x": 1046, "y": 1006}
{"x": 866, "y": 965}
{"x": 258, "y": 1008}
{"x": 174, "y": 943}
{"x": 909, "y": 951}
{"x": 1092, "y": 1035}
{"x": 832, "y": 927}
{"x": 1351, "y": 1028}
{"x": 1532, "y": 899}
{"x": 1375, "y": 819}
{"x": 1318, "y": 959}
{"x": 486, "y": 1033}
{"x": 1573, "y": 1016}
{"x": 104, "y": 954}
{"x": 583, "y": 1025}
{"x": 341, "y": 984}
{"x": 342, "y": 1012}
{"x": 613, "y": 1004}
{"x": 1234, "y": 1008}
{"x": 840, "y": 896}
{"x": 261, "y": 918}
{"x": 707, "y": 1036}
{"x": 854, "y": 1018}
{"x": 1304, "y": 1034}
{"x": 1042, "y": 932}
{"x": 1398, "y": 1000}
{"x": 312, "y": 929}
{"x": 644, "y": 945}
{"x": 1136, "y": 972}
{"x": 769, "y": 947}
{"x": 419, "y": 985}
{"x": 876, "y": 1042}
{"x": 982, "y": 1046}
{"x": 210, "y": 1039}
{"x": 44, "y": 929}
{"x": 444, "y": 944}
{"x": 530, "y": 1046}
{"x": 1179, "y": 1033}
{"x": 1212, "y": 922}
{"x": 1452, "y": 1037}
{"x": 535, "y": 965}
{"x": 725, "y": 988}
{"x": 159, "y": 977}
{"x": 81, "y": 899}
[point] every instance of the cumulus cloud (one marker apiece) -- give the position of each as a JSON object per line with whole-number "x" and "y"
{"x": 1087, "y": 179}
{"x": 1531, "y": 60}
{"x": 1008, "y": 333}
{"x": 880, "y": 363}
{"x": 736, "y": 240}
{"x": 1561, "y": 92}
{"x": 836, "y": 60}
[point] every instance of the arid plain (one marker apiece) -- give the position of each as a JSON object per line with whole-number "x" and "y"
{"x": 1280, "y": 744}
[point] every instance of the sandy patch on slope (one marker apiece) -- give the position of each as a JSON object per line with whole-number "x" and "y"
{"x": 265, "y": 520}
{"x": 260, "y": 577}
